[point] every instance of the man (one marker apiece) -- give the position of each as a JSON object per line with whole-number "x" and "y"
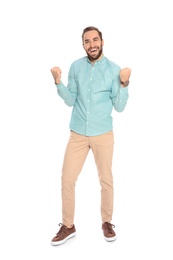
{"x": 96, "y": 85}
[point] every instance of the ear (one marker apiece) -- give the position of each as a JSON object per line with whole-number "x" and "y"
{"x": 83, "y": 46}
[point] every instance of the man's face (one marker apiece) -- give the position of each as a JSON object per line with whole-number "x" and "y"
{"x": 92, "y": 45}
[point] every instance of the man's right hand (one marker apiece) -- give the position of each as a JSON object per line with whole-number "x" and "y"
{"x": 56, "y": 73}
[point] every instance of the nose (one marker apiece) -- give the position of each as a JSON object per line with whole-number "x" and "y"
{"x": 91, "y": 44}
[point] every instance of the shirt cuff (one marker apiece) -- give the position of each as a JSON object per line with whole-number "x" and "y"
{"x": 58, "y": 85}
{"x": 124, "y": 89}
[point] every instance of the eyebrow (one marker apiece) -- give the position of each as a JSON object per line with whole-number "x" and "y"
{"x": 95, "y": 38}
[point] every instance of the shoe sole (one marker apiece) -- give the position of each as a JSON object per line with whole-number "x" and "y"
{"x": 54, "y": 243}
{"x": 110, "y": 239}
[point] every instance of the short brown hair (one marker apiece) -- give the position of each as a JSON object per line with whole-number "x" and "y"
{"x": 91, "y": 28}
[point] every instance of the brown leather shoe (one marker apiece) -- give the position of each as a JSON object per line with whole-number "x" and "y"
{"x": 109, "y": 233}
{"x": 63, "y": 235}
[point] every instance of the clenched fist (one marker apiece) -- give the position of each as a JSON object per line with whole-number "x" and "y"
{"x": 125, "y": 74}
{"x": 56, "y": 73}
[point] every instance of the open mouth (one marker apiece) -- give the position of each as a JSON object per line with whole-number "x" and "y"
{"x": 93, "y": 51}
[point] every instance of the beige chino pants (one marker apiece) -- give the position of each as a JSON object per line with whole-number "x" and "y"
{"x": 76, "y": 152}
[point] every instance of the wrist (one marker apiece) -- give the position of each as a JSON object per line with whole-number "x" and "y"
{"x": 57, "y": 82}
{"x": 124, "y": 83}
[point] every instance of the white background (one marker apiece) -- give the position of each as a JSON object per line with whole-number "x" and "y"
{"x": 37, "y": 35}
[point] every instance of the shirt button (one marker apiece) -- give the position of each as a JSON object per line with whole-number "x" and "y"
{"x": 90, "y": 79}
{"x": 88, "y": 100}
{"x": 89, "y": 89}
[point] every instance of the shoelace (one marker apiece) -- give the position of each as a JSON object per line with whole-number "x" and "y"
{"x": 109, "y": 226}
{"x": 62, "y": 230}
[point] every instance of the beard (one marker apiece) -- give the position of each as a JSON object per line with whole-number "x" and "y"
{"x": 91, "y": 58}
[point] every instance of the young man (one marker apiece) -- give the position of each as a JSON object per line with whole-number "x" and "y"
{"x": 96, "y": 85}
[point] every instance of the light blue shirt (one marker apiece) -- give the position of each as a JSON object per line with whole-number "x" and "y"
{"x": 93, "y": 90}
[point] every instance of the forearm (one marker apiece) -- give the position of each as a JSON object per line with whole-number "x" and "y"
{"x": 68, "y": 97}
{"x": 121, "y": 98}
